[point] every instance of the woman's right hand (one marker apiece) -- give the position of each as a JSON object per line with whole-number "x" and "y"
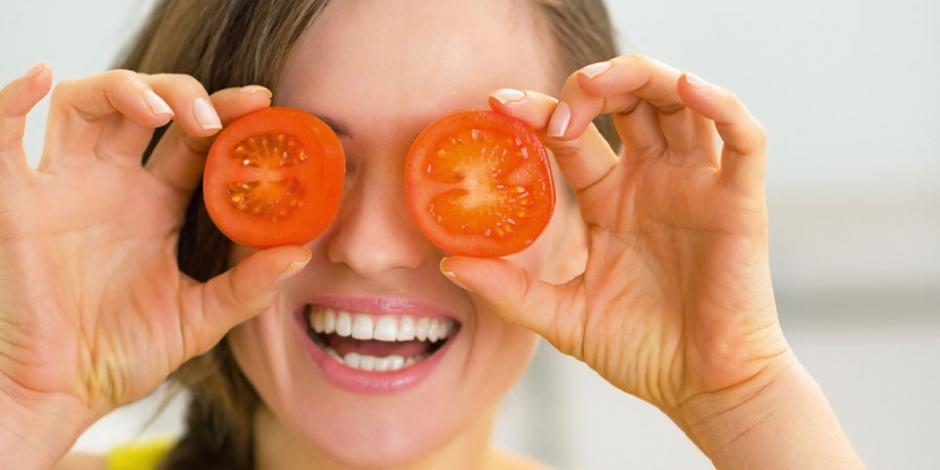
{"x": 94, "y": 311}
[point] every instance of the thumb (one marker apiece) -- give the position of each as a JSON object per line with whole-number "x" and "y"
{"x": 518, "y": 297}
{"x": 212, "y": 308}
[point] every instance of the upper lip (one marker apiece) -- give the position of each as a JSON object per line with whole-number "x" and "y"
{"x": 384, "y": 306}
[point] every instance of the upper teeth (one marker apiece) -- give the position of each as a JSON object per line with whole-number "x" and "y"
{"x": 382, "y": 328}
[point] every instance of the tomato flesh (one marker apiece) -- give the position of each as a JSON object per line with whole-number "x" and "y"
{"x": 479, "y": 184}
{"x": 274, "y": 177}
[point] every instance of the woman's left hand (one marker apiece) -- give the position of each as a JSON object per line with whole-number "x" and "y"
{"x": 676, "y": 304}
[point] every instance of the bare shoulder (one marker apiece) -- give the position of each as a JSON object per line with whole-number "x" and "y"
{"x": 77, "y": 461}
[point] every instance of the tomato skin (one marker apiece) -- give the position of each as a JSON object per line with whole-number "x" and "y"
{"x": 309, "y": 190}
{"x": 467, "y": 177}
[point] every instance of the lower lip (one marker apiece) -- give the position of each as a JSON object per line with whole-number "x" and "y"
{"x": 361, "y": 381}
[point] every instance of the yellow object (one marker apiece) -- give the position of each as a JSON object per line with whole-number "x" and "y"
{"x": 139, "y": 456}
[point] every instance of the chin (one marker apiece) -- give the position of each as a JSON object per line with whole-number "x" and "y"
{"x": 372, "y": 381}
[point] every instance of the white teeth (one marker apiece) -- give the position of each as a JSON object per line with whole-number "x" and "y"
{"x": 343, "y": 324}
{"x": 421, "y": 329}
{"x": 362, "y": 327}
{"x": 316, "y": 322}
{"x": 390, "y": 328}
{"x": 406, "y": 328}
{"x": 395, "y": 362}
{"x": 386, "y": 329}
{"x": 377, "y": 364}
{"x": 366, "y": 362}
{"x": 352, "y": 360}
{"x": 381, "y": 364}
{"x": 437, "y": 330}
{"x": 329, "y": 321}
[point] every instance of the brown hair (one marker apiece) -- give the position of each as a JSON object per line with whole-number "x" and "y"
{"x": 225, "y": 43}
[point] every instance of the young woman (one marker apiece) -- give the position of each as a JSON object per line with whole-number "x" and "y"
{"x": 654, "y": 270}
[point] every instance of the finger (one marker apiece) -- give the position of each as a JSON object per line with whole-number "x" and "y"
{"x": 179, "y": 158}
{"x": 81, "y": 110}
{"x": 191, "y": 105}
{"x": 190, "y": 100}
{"x": 690, "y": 137}
{"x": 635, "y": 120}
{"x": 584, "y": 160}
{"x": 617, "y": 86}
{"x": 640, "y": 132}
{"x": 520, "y": 298}
{"x": 745, "y": 140}
{"x": 16, "y": 100}
{"x": 210, "y": 309}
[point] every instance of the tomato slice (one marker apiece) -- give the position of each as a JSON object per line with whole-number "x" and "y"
{"x": 479, "y": 183}
{"x": 274, "y": 177}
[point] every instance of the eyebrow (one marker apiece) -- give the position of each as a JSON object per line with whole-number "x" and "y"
{"x": 339, "y": 127}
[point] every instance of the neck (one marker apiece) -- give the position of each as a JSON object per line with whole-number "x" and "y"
{"x": 278, "y": 447}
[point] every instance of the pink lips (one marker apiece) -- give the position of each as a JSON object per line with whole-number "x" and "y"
{"x": 361, "y": 381}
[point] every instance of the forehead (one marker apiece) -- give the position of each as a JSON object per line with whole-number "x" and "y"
{"x": 367, "y": 62}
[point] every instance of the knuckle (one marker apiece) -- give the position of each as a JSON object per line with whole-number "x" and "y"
{"x": 760, "y": 134}
{"x": 635, "y": 58}
{"x": 122, "y": 75}
{"x": 62, "y": 92}
{"x": 119, "y": 78}
{"x": 182, "y": 80}
{"x": 63, "y": 88}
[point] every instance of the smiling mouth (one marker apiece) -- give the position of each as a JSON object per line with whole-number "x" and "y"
{"x": 377, "y": 343}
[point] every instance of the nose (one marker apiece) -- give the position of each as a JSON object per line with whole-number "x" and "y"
{"x": 373, "y": 233}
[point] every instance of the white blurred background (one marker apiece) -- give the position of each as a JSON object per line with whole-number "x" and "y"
{"x": 848, "y": 90}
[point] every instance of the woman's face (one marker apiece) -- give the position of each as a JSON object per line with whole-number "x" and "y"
{"x": 379, "y": 72}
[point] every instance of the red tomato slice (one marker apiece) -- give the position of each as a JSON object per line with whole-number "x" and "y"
{"x": 274, "y": 177}
{"x": 479, "y": 183}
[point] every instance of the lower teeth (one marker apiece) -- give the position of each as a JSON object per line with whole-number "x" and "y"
{"x": 373, "y": 363}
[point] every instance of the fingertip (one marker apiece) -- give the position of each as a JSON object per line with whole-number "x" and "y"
{"x": 696, "y": 93}
{"x": 507, "y": 96}
{"x": 451, "y": 264}
{"x": 443, "y": 265}
{"x": 589, "y": 72}
{"x": 560, "y": 121}
{"x": 206, "y": 116}
{"x": 20, "y": 96}
{"x": 295, "y": 266}
{"x": 233, "y": 103}
{"x": 257, "y": 90}
{"x": 694, "y": 84}
{"x": 449, "y": 273}
{"x": 40, "y": 69}
{"x": 528, "y": 106}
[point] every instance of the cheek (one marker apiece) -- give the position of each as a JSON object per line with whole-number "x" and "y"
{"x": 502, "y": 353}
{"x": 260, "y": 349}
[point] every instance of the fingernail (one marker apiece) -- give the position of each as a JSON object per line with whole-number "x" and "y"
{"x": 452, "y": 277}
{"x": 34, "y": 70}
{"x": 294, "y": 267}
{"x": 593, "y": 70}
{"x": 206, "y": 116}
{"x": 558, "y": 125}
{"x": 156, "y": 104}
{"x": 696, "y": 81}
{"x": 255, "y": 89}
{"x": 508, "y": 95}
